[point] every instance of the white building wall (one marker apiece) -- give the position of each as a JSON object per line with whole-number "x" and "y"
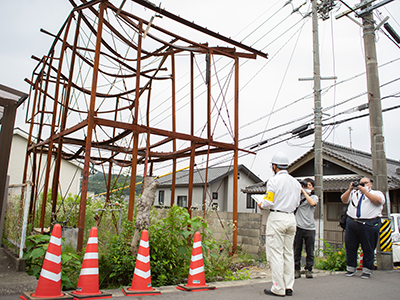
{"x": 243, "y": 181}
{"x": 70, "y": 173}
{"x": 224, "y": 190}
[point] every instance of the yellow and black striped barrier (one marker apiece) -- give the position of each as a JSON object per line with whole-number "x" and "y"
{"x": 385, "y": 236}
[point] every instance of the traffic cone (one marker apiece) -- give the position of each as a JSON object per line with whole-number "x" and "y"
{"x": 196, "y": 281}
{"x": 88, "y": 282}
{"x": 49, "y": 284}
{"x": 141, "y": 282}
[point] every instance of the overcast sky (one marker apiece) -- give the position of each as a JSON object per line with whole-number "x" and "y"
{"x": 270, "y": 92}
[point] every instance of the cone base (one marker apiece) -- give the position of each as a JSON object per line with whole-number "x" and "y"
{"x": 28, "y": 296}
{"x": 195, "y": 288}
{"x": 153, "y": 292}
{"x": 101, "y": 295}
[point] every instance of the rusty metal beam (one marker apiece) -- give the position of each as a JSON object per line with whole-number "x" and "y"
{"x": 174, "y": 17}
{"x": 192, "y": 144}
{"x": 90, "y": 127}
{"x": 236, "y": 158}
{"x": 64, "y": 112}
{"x": 173, "y": 113}
{"x": 135, "y": 133}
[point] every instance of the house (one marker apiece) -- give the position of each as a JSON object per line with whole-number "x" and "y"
{"x": 71, "y": 171}
{"x": 219, "y": 189}
{"x": 341, "y": 165}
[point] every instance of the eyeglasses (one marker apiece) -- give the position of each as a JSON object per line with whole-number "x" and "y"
{"x": 365, "y": 182}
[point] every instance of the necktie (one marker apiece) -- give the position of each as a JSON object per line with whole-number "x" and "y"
{"x": 358, "y": 213}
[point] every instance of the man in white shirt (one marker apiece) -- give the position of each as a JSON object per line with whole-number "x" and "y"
{"x": 282, "y": 198}
{"x": 363, "y": 223}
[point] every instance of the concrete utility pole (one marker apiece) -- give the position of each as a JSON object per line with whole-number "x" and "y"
{"x": 321, "y": 9}
{"x": 318, "y": 171}
{"x": 379, "y": 163}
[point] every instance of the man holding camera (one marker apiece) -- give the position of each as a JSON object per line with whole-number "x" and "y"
{"x": 305, "y": 230}
{"x": 364, "y": 214}
{"x": 282, "y": 198}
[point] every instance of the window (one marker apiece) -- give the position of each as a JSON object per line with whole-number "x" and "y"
{"x": 250, "y": 203}
{"x": 215, "y": 195}
{"x": 182, "y": 201}
{"x": 335, "y": 210}
{"x": 161, "y": 197}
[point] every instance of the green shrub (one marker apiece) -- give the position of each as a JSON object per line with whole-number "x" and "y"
{"x": 171, "y": 242}
{"x": 333, "y": 260}
{"x": 116, "y": 264}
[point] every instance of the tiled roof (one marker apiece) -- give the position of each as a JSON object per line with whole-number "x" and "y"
{"x": 331, "y": 184}
{"x": 214, "y": 174}
{"x": 355, "y": 158}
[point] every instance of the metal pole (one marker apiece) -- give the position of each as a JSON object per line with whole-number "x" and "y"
{"x": 132, "y": 192}
{"x": 90, "y": 127}
{"x": 318, "y": 171}
{"x": 379, "y": 164}
{"x": 236, "y": 158}
{"x": 192, "y": 153}
{"x": 28, "y": 187}
{"x": 173, "y": 107}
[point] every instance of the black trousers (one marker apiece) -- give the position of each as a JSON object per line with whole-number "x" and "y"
{"x": 309, "y": 238}
{"x": 366, "y": 234}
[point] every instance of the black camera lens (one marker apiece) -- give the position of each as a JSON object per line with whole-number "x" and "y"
{"x": 356, "y": 184}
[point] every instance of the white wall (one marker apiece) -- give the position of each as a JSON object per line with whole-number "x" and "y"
{"x": 17, "y": 161}
{"x": 225, "y": 194}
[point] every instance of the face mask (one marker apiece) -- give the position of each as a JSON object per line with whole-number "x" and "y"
{"x": 307, "y": 191}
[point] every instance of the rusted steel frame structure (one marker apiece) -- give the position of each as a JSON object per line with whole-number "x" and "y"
{"x": 67, "y": 115}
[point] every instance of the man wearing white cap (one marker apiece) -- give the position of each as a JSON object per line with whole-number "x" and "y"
{"x": 282, "y": 198}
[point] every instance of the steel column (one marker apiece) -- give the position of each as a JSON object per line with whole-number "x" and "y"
{"x": 90, "y": 127}
{"x": 236, "y": 158}
{"x": 135, "y": 133}
{"x": 173, "y": 107}
{"x": 193, "y": 146}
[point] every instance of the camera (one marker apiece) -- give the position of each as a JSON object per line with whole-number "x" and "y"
{"x": 303, "y": 183}
{"x": 356, "y": 184}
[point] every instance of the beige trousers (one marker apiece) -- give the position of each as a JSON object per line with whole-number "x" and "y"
{"x": 281, "y": 228}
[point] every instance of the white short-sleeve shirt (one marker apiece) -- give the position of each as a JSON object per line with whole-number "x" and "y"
{"x": 369, "y": 210}
{"x": 285, "y": 190}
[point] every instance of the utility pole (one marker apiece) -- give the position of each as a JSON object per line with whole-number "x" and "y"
{"x": 379, "y": 163}
{"x": 322, "y": 9}
{"x": 318, "y": 159}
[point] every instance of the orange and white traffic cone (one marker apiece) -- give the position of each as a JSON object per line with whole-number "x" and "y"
{"x": 88, "y": 283}
{"x": 141, "y": 282}
{"x": 197, "y": 280}
{"x": 49, "y": 284}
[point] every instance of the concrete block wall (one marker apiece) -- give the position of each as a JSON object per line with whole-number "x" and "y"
{"x": 249, "y": 228}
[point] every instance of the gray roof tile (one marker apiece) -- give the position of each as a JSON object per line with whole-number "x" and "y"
{"x": 356, "y": 158}
{"x": 214, "y": 174}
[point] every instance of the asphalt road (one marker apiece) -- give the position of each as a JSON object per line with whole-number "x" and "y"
{"x": 381, "y": 285}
